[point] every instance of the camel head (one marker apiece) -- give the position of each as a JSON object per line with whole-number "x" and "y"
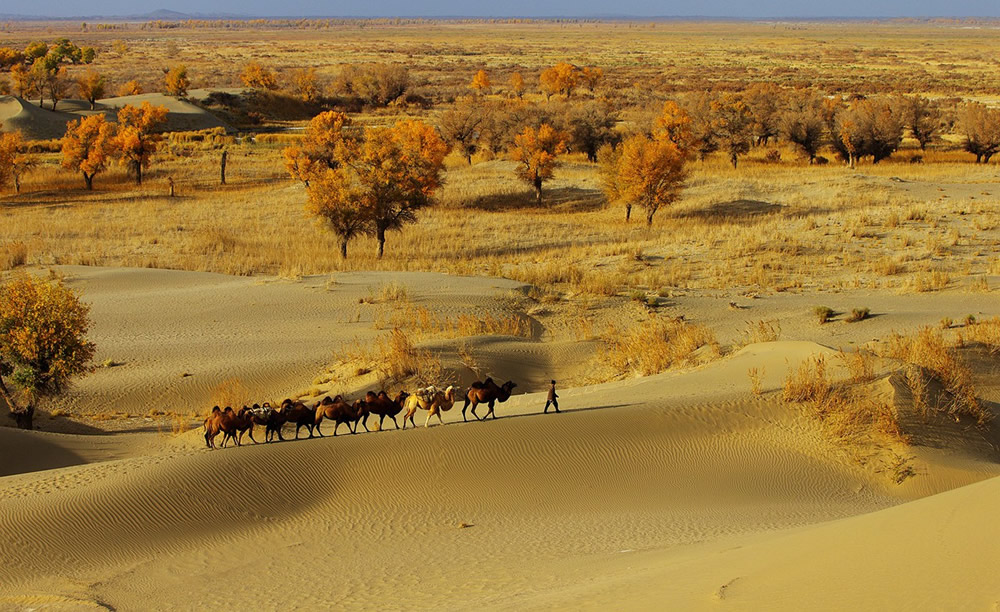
{"x": 402, "y": 397}
{"x": 509, "y": 386}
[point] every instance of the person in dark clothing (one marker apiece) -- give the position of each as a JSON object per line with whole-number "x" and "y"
{"x": 552, "y": 399}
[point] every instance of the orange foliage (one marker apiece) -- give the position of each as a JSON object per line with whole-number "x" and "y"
{"x": 177, "y": 81}
{"x": 257, "y": 76}
{"x": 481, "y": 82}
{"x": 305, "y": 84}
{"x": 649, "y": 172}
{"x": 42, "y": 335}
{"x": 137, "y": 137}
{"x": 536, "y": 152}
{"x": 517, "y": 84}
{"x": 91, "y": 86}
{"x": 561, "y": 78}
{"x": 131, "y": 88}
{"x": 88, "y": 146}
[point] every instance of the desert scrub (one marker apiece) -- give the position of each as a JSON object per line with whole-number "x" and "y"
{"x": 657, "y": 344}
{"x": 823, "y": 314}
{"x": 858, "y": 314}
{"x": 929, "y": 351}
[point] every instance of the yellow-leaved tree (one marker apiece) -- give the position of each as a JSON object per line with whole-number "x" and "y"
{"x": 649, "y": 172}
{"x": 138, "y": 136}
{"x": 561, "y": 78}
{"x": 256, "y": 76}
{"x": 325, "y": 134}
{"x": 14, "y": 160}
{"x": 481, "y": 82}
{"x": 177, "y": 81}
{"x": 88, "y": 147}
{"x": 91, "y": 85}
{"x": 378, "y": 181}
{"x": 43, "y": 344}
{"x": 536, "y": 152}
{"x": 517, "y": 85}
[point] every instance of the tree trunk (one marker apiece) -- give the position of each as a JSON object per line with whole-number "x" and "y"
{"x": 225, "y": 156}
{"x": 733, "y": 158}
{"x": 137, "y": 169}
{"x": 538, "y": 190}
{"x": 22, "y": 416}
{"x": 628, "y": 212}
{"x": 380, "y": 235}
{"x": 343, "y": 248}
{"x": 17, "y": 183}
{"x": 649, "y": 218}
{"x": 54, "y": 102}
{"x": 93, "y": 104}
{"x": 88, "y": 179}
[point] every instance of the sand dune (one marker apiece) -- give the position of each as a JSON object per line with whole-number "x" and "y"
{"x": 37, "y": 123}
{"x": 679, "y": 490}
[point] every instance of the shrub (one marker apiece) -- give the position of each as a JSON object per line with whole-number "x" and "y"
{"x": 656, "y": 345}
{"x": 823, "y": 314}
{"x": 858, "y": 314}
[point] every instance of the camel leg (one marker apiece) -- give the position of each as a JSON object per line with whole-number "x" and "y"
{"x": 381, "y": 420}
{"x": 251, "y": 434}
{"x": 427, "y": 423}
{"x": 320, "y": 431}
{"x": 336, "y": 424}
{"x": 474, "y": 412}
{"x": 395, "y": 423}
{"x": 438, "y": 413}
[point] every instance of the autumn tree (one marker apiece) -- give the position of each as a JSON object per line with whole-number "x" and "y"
{"x": 14, "y": 160}
{"x": 649, "y": 172}
{"x": 57, "y": 84}
{"x": 138, "y": 136}
{"x": 517, "y": 85}
{"x": 91, "y": 85}
{"x": 592, "y": 77}
{"x": 703, "y": 137}
{"x": 802, "y": 123}
{"x": 43, "y": 344}
{"x": 461, "y": 125}
{"x": 379, "y": 182}
{"x": 40, "y": 71}
{"x": 376, "y": 84}
{"x": 177, "y": 81}
{"x": 590, "y": 126}
{"x": 869, "y": 127}
{"x": 23, "y": 80}
{"x": 402, "y": 168}
{"x": 675, "y": 125}
{"x": 764, "y": 101}
{"x": 257, "y": 76}
{"x": 35, "y": 50}
{"x": 325, "y": 134}
{"x": 733, "y": 125}
{"x": 561, "y": 78}
{"x": 481, "y": 83}
{"x": 10, "y": 57}
{"x": 335, "y": 197}
{"x": 88, "y": 147}
{"x": 536, "y": 153}
{"x": 304, "y": 84}
{"x": 981, "y": 126}
{"x": 922, "y": 117}
{"x": 130, "y": 88}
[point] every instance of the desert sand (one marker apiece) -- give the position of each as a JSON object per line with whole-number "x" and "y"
{"x": 36, "y": 123}
{"x": 681, "y": 490}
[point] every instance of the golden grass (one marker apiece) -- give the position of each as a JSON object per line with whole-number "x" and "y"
{"x": 657, "y": 344}
{"x": 396, "y": 359}
{"x": 12, "y": 255}
{"x": 230, "y": 393}
{"x": 425, "y": 322}
{"x": 929, "y": 350}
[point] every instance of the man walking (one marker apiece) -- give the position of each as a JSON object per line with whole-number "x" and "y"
{"x": 552, "y": 399}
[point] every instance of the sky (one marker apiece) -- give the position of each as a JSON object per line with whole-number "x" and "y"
{"x": 525, "y": 8}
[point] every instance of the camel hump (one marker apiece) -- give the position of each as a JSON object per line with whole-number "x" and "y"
{"x": 216, "y": 409}
{"x": 481, "y": 385}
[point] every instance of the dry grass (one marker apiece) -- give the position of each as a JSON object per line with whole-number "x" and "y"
{"x": 230, "y": 392}
{"x": 860, "y": 422}
{"x": 929, "y": 350}
{"x": 425, "y": 322}
{"x": 12, "y": 255}
{"x": 396, "y": 359}
{"x": 760, "y": 331}
{"x": 657, "y": 345}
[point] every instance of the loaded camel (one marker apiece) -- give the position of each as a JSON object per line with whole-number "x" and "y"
{"x": 298, "y": 413}
{"x": 486, "y": 392}
{"x": 431, "y": 399}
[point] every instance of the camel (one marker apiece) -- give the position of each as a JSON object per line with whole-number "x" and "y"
{"x": 486, "y": 392}
{"x": 431, "y": 399}
{"x": 339, "y": 411}
{"x": 300, "y": 414}
{"x": 213, "y": 426}
{"x": 235, "y": 424}
{"x": 383, "y": 406}
{"x": 261, "y": 415}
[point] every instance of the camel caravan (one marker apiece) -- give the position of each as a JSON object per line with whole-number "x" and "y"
{"x": 233, "y": 425}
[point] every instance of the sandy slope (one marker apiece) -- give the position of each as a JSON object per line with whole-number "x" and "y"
{"x": 675, "y": 491}
{"x": 42, "y": 124}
